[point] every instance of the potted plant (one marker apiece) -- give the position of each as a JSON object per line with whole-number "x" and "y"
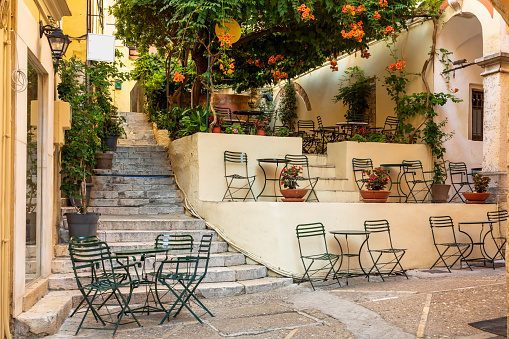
{"x": 219, "y": 123}
{"x": 234, "y": 129}
{"x": 480, "y": 195}
{"x": 261, "y": 125}
{"x": 112, "y": 131}
{"x": 289, "y": 177}
{"x": 375, "y": 184}
{"x": 439, "y": 189}
{"x": 83, "y": 140}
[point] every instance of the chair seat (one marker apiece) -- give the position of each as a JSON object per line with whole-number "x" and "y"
{"x": 323, "y": 256}
{"x": 237, "y": 176}
{"x": 389, "y": 250}
{"x": 454, "y": 244}
{"x": 178, "y": 276}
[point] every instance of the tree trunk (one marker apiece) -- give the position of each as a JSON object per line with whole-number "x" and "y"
{"x": 200, "y": 58}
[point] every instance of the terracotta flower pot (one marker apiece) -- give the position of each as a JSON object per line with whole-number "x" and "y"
{"x": 295, "y": 194}
{"x": 476, "y": 198}
{"x": 216, "y": 129}
{"x": 260, "y": 132}
{"x": 374, "y": 195}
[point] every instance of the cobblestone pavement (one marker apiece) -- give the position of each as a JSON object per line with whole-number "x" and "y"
{"x": 429, "y": 304}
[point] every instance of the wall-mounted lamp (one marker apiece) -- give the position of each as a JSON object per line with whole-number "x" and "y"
{"x": 58, "y": 41}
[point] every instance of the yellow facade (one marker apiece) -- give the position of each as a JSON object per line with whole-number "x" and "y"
{"x": 6, "y": 175}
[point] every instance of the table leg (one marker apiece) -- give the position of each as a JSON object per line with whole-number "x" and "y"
{"x": 341, "y": 255}
{"x": 264, "y": 181}
{"x": 360, "y": 251}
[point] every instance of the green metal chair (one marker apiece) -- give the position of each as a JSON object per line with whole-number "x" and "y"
{"x": 500, "y": 240}
{"x": 387, "y": 259}
{"x": 314, "y": 234}
{"x": 359, "y": 166}
{"x": 459, "y": 178}
{"x": 417, "y": 179}
{"x": 237, "y": 160}
{"x": 95, "y": 270}
{"x": 305, "y": 131}
{"x": 182, "y": 277}
{"x": 442, "y": 227}
{"x": 302, "y": 161}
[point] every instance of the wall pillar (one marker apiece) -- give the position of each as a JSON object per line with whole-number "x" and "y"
{"x": 496, "y": 115}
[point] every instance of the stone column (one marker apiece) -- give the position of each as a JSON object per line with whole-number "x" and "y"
{"x": 496, "y": 114}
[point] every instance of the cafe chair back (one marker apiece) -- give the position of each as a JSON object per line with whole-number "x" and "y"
{"x": 99, "y": 276}
{"x": 182, "y": 278}
{"x": 386, "y": 259}
{"x": 313, "y": 236}
{"x": 359, "y": 166}
{"x": 237, "y": 177}
{"x": 500, "y": 216}
{"x": 418, "y": 180}
{"x": 446, "y": 243}
{"x": 309, "y": 182}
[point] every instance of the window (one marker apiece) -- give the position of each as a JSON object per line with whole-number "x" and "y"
{"x": 477, "y": 114}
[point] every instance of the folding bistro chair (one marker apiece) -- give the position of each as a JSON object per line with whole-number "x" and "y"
{"x": 97, "y": 279}
{"x": 359, "y": 166}
{"x": 237, "y": 159}
{"x": 443, "y": 227}
{"x": 316, "y": 231}
{"x": 387, "y": 259}
{"x": 459, "y": 178}
{"x": 305, "y": 131}
{"x": 302, "y": 161}
{"x": 389, "y": 129}
{"x": 415, "y": 176}
{"x": 500, "y": 240}
{"x": 182, "y": 278}
{"x": 228, "y": 116}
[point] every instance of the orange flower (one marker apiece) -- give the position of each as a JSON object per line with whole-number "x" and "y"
{"x": 383, "y": 3}
{"x": 177, "y": 77}
{"x": 388, "y": 30}
{"x": 377, "y": 15}
{"x": 225, "y": 39}
{"x": 306, "y": 15}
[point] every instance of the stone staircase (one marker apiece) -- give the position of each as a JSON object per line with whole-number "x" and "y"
{"x": 329, "y": 187}
{"x": 138, "y": 200}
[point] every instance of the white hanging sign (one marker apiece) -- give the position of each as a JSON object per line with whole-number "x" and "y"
{"x": 100, "y": 47}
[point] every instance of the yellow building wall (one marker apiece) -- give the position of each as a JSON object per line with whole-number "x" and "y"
{"x": 76, "y": 26}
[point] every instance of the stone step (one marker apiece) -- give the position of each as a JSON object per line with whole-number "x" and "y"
{"x": 125, "y": 188}
{"x": 134, "y": 153}
{"x": 134, "y": 202}
{"x": 331, "y": 183}
{"x": 317, "y": 159}
{"x": 152, "y": 222}
{"x": 134, "y": 194}
{"x": 134, "y": 170}
{"x": 149, "y": 235}
{"x": 322, "y": 171}
{"x": 338, "y": 196}
{"x": 137, "y": 142}
{"x": 149, "y": 209}
{"x": 139, "y": 135}
{"x": 47, "y": 315}
{"x": 66, "y": 281}
{"x": 133, "y": 180}
{"x": 136, "y": 149}
{"x": 61, "y": 250}
{"x": 160, "y": 160}
{"x": 64, "y": 265}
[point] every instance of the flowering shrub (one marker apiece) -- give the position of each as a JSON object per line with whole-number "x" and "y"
{"x": 278, "y": 75}
{"x": 305, "y": 16}
{"x": 400, "y": 65}
{"x": 226, "y": 40}
{"x": 261, "y": 124}
{"x": 289, "y": 177}
{"x": 377, "y": 180}
{"x": 234, "y": 129}
{"x": 481, "y": 183}
{"x": 356, "y": 33}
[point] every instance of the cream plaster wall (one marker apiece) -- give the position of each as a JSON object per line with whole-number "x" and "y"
{"x": 340, "y": 154}
{"x": 266, "y": 230}
{"x": 29, "y": 44}
{"x": 461, "y": 35}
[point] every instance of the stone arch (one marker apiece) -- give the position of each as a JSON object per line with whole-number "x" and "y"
{"x": 300, "y": 91}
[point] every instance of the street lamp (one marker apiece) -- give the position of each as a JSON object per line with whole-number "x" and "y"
{"x": 58, "y": 41}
